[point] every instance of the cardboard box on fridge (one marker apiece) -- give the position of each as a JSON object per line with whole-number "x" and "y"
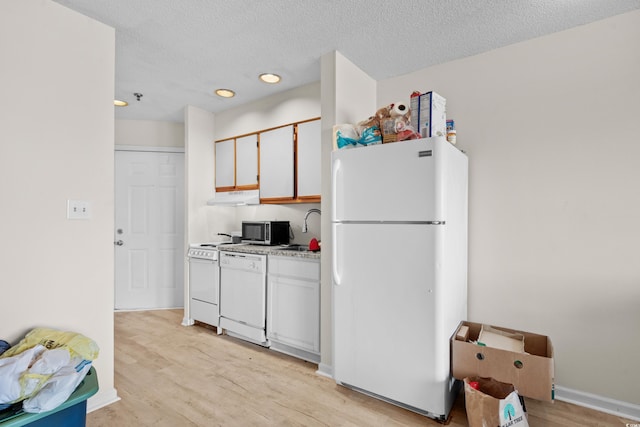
{"x": 429, "y": 114}
{"x": 532, "y": 372}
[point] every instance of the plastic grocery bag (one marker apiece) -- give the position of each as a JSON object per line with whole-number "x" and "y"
{"x": 44, "y": 368}
{"x": 512, "y": 412}
{"x": 491, "y": 403}
{"x": 76, "y": 344}
{"x": 370, "y": 136}
{"x": 346, "y": 136}
{"x": 23, "y": 375}
{"x": 11, "y": 369}
{"x": 56, "y": 389}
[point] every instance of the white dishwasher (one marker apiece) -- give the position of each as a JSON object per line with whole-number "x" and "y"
{"x": 243, "y": 296}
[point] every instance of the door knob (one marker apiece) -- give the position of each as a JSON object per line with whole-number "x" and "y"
{"x": 119, "y": 243}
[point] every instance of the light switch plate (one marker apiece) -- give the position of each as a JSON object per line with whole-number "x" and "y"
{"x": 78, "y": 209}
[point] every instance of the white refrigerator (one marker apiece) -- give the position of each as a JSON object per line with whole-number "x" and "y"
{"x": 399, "y": 267}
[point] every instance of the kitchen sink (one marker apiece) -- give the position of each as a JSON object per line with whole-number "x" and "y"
{"x": 295, "y": 247}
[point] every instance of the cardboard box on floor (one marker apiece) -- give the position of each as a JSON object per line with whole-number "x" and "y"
{"x": 532, "y": 372}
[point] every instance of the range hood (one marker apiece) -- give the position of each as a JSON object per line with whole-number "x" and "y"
{"x": 235, "y": 198}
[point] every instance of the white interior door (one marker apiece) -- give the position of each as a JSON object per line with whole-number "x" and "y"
{"x": 149, "y": 236}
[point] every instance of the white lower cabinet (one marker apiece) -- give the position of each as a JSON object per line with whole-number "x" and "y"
{"x": 293, "y": 306}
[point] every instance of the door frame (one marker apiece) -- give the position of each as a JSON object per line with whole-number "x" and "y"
{"x": 158, "y": 149}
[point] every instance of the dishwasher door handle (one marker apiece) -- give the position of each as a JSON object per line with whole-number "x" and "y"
{"x": 233, "y": 255}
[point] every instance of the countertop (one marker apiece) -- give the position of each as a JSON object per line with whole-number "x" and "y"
{"x": 269, "y": 250}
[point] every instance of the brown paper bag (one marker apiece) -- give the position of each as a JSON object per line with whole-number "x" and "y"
{"x": 486, "y": 405}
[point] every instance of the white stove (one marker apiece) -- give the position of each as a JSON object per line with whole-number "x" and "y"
{"x": 204, "y": 283}
{"x": 205, "y": 250}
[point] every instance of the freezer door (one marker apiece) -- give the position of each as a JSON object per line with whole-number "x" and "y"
{"x": 388, "y": 182}
{"x": 388, "y": 332}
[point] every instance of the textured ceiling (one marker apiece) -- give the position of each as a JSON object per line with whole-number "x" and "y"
{"x": 176, "y": 53}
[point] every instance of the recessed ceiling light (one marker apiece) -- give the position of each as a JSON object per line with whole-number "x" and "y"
{"x": 119, "y": 103}
{"x": 269, "y": 78}
{"x": 225, "y": 93}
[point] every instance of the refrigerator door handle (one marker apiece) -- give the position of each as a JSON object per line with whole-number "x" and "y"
{"x": 334, "y": 261}
{"x": 335, "y": 169}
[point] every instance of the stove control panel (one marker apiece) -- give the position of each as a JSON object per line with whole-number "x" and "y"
{"x": 200, "y": 253}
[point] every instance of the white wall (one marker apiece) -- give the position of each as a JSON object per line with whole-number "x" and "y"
{"x": 198, "y": 137}
{"x": 149, "y": 133}
{"x": 199, "y": 134}
{"x": 551, "y": 129}
{"x": 291, "y": 106}
{"x": 56, "y": 143}
{"x": 348, "y": 96}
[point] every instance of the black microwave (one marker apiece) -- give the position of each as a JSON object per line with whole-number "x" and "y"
{"x": 265, "y": 232}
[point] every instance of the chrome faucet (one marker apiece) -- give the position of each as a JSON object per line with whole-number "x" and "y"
{"x": 309, "y": 212}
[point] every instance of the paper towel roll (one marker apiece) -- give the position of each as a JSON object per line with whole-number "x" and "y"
{"x": 399, "y": 109}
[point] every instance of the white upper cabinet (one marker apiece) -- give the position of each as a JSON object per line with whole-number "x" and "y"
{"x": 237, "y": 163}
{"x": 276, "y": 164}
{"x": 283, "y": 163}
{"x": 309, "y": 152}
{"x": 225, "y": 164}
{"x": 247, "y": 161}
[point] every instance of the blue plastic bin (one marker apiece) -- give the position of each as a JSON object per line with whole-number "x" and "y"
{"x": 72, "y": 413}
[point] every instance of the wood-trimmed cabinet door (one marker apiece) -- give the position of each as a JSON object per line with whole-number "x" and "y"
{"x": 247, "y": 162}
{"x": 277, "y": 165}
{"x": 225, "y": 157}
{"x": 237, "y": 163}
{"x": 308, "y": 155}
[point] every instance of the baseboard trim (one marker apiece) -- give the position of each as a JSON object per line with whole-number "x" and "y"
{"x": 325, "y": 370}
{"x": 599, "y": 403}
{"x": 101, "y": 399}
{"x": 126, "y": 310}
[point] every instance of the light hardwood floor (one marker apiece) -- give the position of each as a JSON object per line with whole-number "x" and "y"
{"x": 167, "y": 374}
